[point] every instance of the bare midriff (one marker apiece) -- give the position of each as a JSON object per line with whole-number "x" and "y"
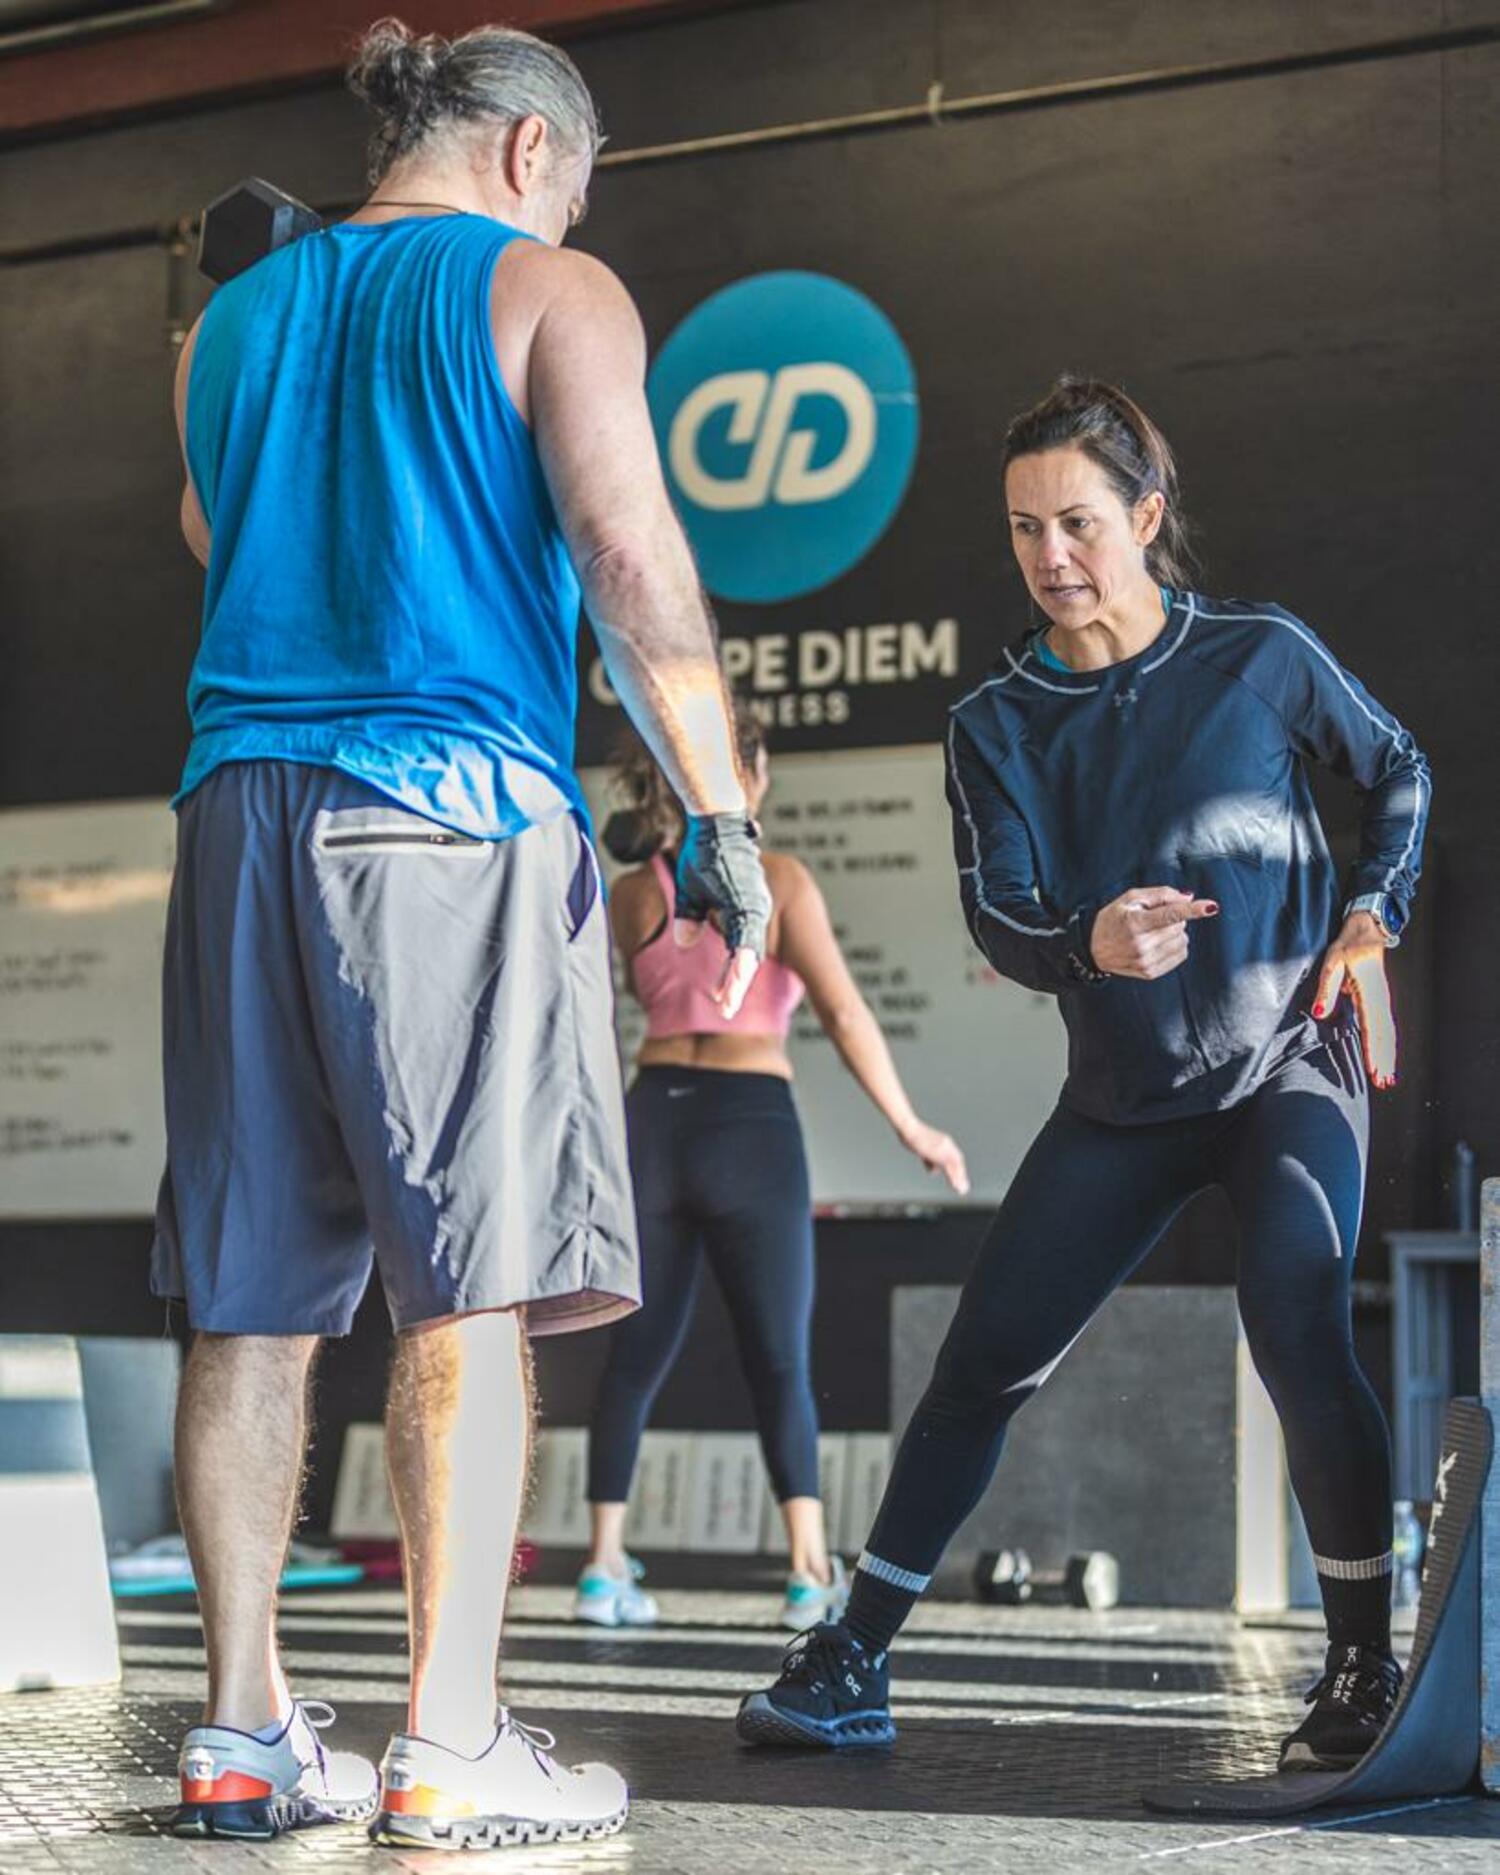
{"x": 728, "y": 1054}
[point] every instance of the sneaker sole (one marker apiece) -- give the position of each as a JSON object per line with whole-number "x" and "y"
{"x": 397, "y": 1831}
{"x": 603, "y": 1620}
{"x": 758, "y": 1722}
{"x": 261, "y": 1819}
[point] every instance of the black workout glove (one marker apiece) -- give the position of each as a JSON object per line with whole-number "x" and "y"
{"x": 719, "y": 871}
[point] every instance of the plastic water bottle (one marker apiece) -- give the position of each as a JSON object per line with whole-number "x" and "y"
{"x": 1409, "y": 1543}
{"x": 1465, "y": 1188}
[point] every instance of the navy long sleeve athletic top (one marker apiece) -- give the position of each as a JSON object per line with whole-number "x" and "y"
{"x": 1183, "y": 766}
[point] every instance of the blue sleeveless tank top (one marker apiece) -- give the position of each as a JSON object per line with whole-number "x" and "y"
{"x": 388, "y": 591}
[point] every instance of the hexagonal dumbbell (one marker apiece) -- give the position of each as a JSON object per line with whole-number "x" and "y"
{"x": 1090, "y": 1580}
{"x": 248, "y": 222}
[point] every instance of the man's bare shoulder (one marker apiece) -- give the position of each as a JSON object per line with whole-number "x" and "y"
{"x": 558, "y": 310}
{"x": 567, "y": 278}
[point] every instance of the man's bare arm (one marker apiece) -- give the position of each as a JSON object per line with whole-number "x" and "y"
{"x": 195, "y": 529}
{"x": 593, "y": 434}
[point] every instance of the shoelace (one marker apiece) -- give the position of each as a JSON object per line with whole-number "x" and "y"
{"x": 310, "y": 1709}
{"x": 1350, "y": 1678}
{"x": 540, "y": 1740}
{"x": 813, "y": 1651}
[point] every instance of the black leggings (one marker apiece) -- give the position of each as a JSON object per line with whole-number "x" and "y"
{"x": 719, "y": 1170}
{"x": 1087, "y": 1204}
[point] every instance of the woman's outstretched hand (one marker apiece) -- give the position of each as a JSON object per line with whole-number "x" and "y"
{"x": 938, "y": 1153}
{"x": 1354, "y": 966}
{"x": 1144, "y": 932}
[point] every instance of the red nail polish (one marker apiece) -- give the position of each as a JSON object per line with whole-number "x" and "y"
{"x": 1319, "y": 1011}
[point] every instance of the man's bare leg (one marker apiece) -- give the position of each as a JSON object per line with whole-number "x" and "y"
{"x": 241, "y": 1436}
{"x": 458, "y": 1446}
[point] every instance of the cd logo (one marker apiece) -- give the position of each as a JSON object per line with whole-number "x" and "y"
{"x": 786, "y": 411}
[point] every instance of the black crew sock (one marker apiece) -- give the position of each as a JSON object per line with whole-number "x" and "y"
{"x": 876, "y": 1611}
{"x": 1359, "y": 1611}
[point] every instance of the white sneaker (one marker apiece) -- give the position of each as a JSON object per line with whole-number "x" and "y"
{"x": 235, "y": 1784}
{"x": 614, "y": 1601}
{"x": 514, "y": 1792}
{"x": 809, "y": 1601}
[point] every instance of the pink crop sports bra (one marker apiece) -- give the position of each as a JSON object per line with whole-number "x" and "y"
{"x": 676, "y": 985}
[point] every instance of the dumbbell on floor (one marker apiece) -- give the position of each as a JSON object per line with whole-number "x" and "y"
{"x": 1091, "y": 1579}
{"x": 246, "y": 223}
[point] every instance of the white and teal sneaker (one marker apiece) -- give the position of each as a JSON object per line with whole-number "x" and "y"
{"x": 809, "y": 1601}
{"x": 239, "y": 1784}
{"x": 615, "y": 1601}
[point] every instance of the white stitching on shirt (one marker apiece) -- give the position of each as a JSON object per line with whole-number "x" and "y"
{"x": 973, "y": 871}
{"x": 978, "y": 690}
{"x": 1061, "y": 690}
{"x": 1391, "y": 729}
{"x": 1176, "y": 644}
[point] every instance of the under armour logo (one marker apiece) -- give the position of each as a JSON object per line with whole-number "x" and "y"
{"x": 1127, "y": 697}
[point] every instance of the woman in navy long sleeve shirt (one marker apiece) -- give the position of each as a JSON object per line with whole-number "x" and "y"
{"x": 1135, "y": 833}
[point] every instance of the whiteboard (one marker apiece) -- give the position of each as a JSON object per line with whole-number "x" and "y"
{"x": 980, "y": 1057}
{"x": 83, "y": 904}
{"x": 83, "y": 897}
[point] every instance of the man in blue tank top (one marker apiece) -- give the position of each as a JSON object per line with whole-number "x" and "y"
{"x": 412, "y": 442}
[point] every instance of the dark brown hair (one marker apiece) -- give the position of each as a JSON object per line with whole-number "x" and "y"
{"x": 1112, "y": 430}
{"x": 651, "y": 818}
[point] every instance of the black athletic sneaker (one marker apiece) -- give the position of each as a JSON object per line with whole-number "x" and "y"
{"x": 831, "y": 1693}
{"x": 1349, "y": 1704}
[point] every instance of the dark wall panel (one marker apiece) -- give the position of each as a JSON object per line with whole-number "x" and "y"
{"x": 101, "y": 598}
{"x": 1040, "y": 43}
{"x": 1294, "y": 273}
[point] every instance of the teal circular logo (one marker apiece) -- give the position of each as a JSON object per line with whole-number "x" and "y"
{"x": 785, "y": 409}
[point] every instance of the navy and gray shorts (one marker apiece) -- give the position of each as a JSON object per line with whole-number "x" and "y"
{"x": 388, "y": 1043}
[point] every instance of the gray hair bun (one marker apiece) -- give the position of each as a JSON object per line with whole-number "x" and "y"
{"x": 399, "y": 75}
{"x": 421, "y": 84}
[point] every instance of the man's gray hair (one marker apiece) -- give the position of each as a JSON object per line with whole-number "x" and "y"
{"x": 421, "y": 88}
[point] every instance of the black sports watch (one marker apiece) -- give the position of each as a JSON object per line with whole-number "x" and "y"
{"x": 1080, "y": 958}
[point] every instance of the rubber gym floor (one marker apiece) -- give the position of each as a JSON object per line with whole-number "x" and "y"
{"x": 1026, "y": 1735}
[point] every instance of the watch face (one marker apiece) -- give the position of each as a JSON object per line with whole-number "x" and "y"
{"x": 1391, "y": 916}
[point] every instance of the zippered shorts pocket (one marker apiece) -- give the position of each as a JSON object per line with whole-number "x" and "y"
{"x": 357, "y": 830}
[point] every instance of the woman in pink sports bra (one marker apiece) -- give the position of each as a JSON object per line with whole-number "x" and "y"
{"x": 717, "y": 1160}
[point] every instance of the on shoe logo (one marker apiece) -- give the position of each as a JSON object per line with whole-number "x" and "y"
{"x": 786, "y": 411}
